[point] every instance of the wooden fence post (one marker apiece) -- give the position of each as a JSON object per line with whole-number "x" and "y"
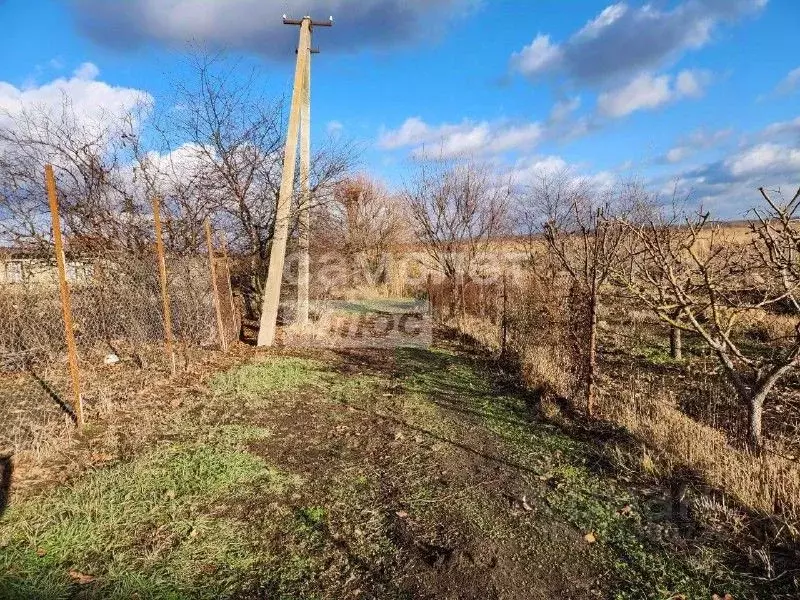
{"x": 236, "y": 326}
{"x": 430, "y": 294}
{"x": 66, "y": 304}
{"x": 223, "y": 340}
{"x": 162, "y": 272}
{"x": 504, "y": 343}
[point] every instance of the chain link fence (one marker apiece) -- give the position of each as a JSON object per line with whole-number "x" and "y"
{"x": 541, "y": 328}
{"x": 116, "y": 309}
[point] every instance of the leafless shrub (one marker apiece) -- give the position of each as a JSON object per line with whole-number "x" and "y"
{"x": 363, "y": 225}
{"x": 456, "y": 211}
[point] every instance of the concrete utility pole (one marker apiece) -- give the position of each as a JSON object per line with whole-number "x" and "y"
{"x": 304, "y": 211}
{"x": 300, "y": 111}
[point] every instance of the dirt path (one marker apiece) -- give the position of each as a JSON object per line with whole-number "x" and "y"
{"x": 363, "y": 473}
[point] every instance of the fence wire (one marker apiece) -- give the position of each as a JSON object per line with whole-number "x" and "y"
{"x": 116, "y": 309}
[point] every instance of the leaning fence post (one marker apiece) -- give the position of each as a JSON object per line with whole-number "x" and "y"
{"x": 66, "y": 305}
{"x": 162, "y": 271}
{"x": 215, "y": 289}
{"x": 236, "y": 327}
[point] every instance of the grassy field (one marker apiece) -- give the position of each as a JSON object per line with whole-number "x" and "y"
{"x": 401, "y": 473}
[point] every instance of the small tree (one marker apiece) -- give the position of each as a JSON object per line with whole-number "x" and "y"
{"x": 456, "y": 211}
{"x": 220, "y": 154}
{"x": 364, "y": 222}
{"x": 700, "y": 277}
{"x": 588, "y": 244}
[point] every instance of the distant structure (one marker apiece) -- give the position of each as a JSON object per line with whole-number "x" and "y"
{"x": 299, "y": 122}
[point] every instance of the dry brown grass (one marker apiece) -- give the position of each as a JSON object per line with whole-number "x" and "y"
{"x": 124, "y": 404}
{"x": 767, "y": 484}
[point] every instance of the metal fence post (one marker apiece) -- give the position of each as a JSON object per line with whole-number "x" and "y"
{"x": 66, "y": 304}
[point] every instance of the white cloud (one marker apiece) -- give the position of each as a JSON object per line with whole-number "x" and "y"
{"x": 413, "y": 131}
{"x": 647, "y": 92}
{"x": 467, "y": 138}
{"x": 678, "y": 154}
{"x": 643, "y": 92}
{"x": 782, "y": 129}
{"x": 87, "y": 71}
{"x": 564, "y": 108}
{"x": 691, "y": 84}
{"x": 256, "y": 26}
{"x": 790, "y": 83}
{"x": 701, "y": 139}
{"x": 334, "y": 128}
{"x": 729, "y": 185}
{"x": 93, "y": 102}
{"x": 623, "y": 41}
{"x": 605, "y": 19}
{"x": 764, "y": 159}
{"x": 530, "y": 169}
{"x": 541, "y": 55}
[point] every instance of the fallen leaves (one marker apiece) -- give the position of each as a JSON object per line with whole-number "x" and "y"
{"x": 590, "y": 538}
{"x": 80, "y": 578}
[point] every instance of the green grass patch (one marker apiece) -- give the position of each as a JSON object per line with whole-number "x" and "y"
{"x": 146, "y": 529}
{"x": 382, "y": 305}
{"x": 257, "y": 381}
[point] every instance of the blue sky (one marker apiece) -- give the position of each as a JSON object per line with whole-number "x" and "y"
{"x": 702, "y": 92}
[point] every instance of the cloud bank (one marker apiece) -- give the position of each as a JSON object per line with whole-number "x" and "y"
{"x": 624, "y": 41}
{"x": 256, "y": 26}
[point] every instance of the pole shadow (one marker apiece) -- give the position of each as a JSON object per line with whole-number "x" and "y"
{"x": 53, "y": 395}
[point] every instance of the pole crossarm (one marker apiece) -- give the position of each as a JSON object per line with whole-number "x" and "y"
{"x": 288, "y": 21}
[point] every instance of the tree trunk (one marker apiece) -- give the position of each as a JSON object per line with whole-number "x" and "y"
{"x": 591, "y": 362}
{"x": 755, "y": 413}
{"x": 754, "y": 397}
{"x": 675, "y": 343}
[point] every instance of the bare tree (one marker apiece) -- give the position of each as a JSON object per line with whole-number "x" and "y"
{"x": 364, "y": 223}
{"x": 97, "y": 210}
{"x": 457, "y": 211}
{"x": 699, "y": 276}
{"x": 589, "y": 244}
{"x": 550, "y": 199}
{"x": 220, "y": 155}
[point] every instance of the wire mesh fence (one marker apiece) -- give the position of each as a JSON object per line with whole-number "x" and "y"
{"x": 116, "y": 309}
{"x": 118, "y": 325}
{"x": 542, "y": 328}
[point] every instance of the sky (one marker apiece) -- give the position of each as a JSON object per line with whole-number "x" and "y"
{"x": 702, "y": 96}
